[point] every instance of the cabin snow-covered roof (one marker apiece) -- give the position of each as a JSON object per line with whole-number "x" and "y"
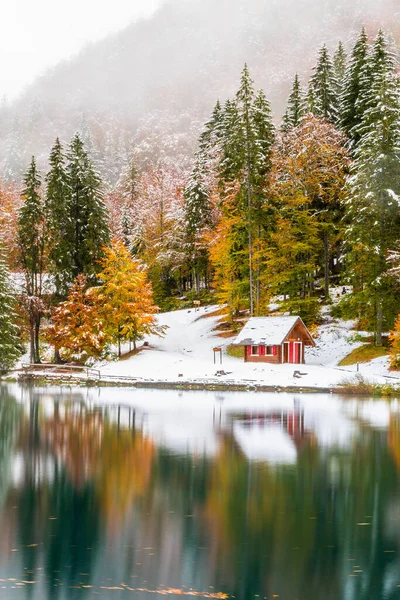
{"x": 269, "y": 331}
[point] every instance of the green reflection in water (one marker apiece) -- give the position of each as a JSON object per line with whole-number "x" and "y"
{"x": 103, "y": 499}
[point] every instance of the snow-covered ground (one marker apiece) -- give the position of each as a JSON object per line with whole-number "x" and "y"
{"x": 185, "y": 354}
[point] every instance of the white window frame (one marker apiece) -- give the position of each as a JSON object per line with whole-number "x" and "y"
{"x": 252, "y": 353}
{"x": 269, "y": 353}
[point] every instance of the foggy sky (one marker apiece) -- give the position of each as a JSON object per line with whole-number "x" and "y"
{"x": 35, "y": 35}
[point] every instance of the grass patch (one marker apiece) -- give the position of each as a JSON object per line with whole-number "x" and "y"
{"x": 359, "y": 385}
{"x": 235, "y": 351}
{"x": 363, "y": 354}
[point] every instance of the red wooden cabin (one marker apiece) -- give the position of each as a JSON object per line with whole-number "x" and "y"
{"x": 274, "y": 340}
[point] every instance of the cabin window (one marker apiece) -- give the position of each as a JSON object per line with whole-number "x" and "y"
{"x": 254, "y": 351}
{"x": 269, "y": 350}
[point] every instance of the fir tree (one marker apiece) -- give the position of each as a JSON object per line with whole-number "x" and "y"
{"x": 350, "y": 103}
{"x": 296, "y": 106}
{"x": 59, "y": 220}
{"x": 339, "y": 66}
{"x": 10, "y": 343}
{"x": 31, "y": 241}
{"x": 213, "y": 131}
{"x": 198, "y": 218}
{"x": 374, "y": 193}
{"x": 130, "y": 226}
{"x": 88, "y": 212}
{"x": 324, "y": 88}
{"x": 246, "y": 149}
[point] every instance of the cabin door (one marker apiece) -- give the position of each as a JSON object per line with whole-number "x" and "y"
{"x": 294, "y": 353}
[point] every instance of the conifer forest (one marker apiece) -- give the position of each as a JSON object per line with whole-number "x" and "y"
{"x": 95, "y": 243}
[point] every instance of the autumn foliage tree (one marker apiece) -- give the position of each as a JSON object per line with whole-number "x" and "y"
{"x": 125, "y": 297}
{"x": 394, "y": 339}
{"x": 76, "y": 328}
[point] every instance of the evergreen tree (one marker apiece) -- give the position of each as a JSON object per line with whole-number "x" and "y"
{"x": 296, "y": 106}
{"x": 340, "y": 62}
{"x": 350, "y": 102}
{"x": 198, "y": 219}
{"x": 31, "y": 242}
{"x": 246, "y": 150}
{"x": 88, "y": 212}
{"x": 373, "y": 195}
{"x": 213, "y": 131}
{"x": 324, "y": 88}
{"x": 10, "y": 343}
{"x": 59, "y": 220}
{"x": 130, "y": 227}
{"x": 339, "y": 66}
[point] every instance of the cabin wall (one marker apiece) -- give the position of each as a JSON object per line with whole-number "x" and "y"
{"x": 272, "y": 360}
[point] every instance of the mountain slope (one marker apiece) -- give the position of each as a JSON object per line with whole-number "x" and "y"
{"x": 176, "y": 64}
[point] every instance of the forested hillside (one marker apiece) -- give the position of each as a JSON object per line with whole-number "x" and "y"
{"x": 265, "y": 209}
{"x": 153, "y": 84}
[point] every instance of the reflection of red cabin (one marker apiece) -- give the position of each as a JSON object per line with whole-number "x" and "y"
{"x": 274, "y": 340}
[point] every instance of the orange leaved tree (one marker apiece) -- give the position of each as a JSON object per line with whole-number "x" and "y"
{"x": 76, "y": 329}
{"x": 125, "y": 297}
{"x": 394, "y": 351}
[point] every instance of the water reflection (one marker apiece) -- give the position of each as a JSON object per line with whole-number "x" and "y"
{"x": 108, "y": 491}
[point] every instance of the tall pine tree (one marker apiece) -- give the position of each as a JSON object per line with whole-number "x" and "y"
{"x": 373, "y": 195}
{"x": 296, "y": 106}
{"x": 88, "y": 213}
{"x": 59, "y": 221}
{"x": 324, "y": 88}
{"x": 351, "y": 112}
{"x": 246, "y": 151}
{"x": 339, "y": 66}
{"x": 10, "y": 343}
{"x": 31, "y": 242}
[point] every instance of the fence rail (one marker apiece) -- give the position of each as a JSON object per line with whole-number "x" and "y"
{"x": 63, "y": 368}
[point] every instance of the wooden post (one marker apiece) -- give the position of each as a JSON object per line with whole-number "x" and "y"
{"x": 196, "y": 305}
{"x": 217, "y": 351}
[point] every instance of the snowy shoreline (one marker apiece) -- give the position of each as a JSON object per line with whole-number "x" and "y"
{"x": 184, "y": 359}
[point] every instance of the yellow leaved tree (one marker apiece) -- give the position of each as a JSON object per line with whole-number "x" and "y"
{"x": 126, "y": 298}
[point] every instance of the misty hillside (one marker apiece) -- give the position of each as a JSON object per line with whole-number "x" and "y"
{"x": 155, "y": 82}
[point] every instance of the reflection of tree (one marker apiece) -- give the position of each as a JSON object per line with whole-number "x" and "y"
{"x": 290, "y": 530}
{"x": 245, "y": 528}
{"x": 116, "y": 461}
{"x": 9, "y": 422}
{"x": 394, "y": 439}
{"x": 122, "y": 471}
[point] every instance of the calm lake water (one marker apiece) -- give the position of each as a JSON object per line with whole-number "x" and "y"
{"x": 127, "y": 493}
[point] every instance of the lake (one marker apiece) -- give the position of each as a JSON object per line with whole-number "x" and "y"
{"x": 120, "y": 493}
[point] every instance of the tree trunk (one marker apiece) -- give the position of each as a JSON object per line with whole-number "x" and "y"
{"x": 57, "y": 356}
{"x": 326, "y": 263}
{"x": 379, "y": 322}
{"x": 31, "y": 343}
{"x": 36, "y": 340}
